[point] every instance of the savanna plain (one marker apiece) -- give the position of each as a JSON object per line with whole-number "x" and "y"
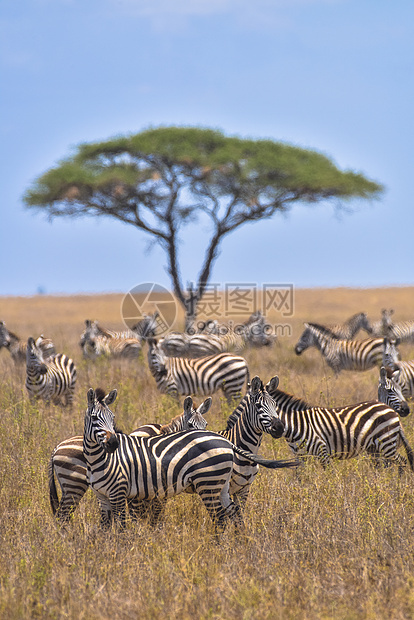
{"x": 319, "y": 544}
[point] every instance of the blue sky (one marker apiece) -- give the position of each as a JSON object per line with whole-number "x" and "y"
{"x": 333, "y": 75}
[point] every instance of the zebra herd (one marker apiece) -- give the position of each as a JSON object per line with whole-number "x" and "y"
{"x": 142, "y": 469}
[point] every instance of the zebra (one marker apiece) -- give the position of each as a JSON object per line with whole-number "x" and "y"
{"x": 96, "y": 340}
{"x": 341, "y": 432}
{"x": 203, "y": 376}
{"x": 402, "y": 331}
{"x": 253, "y": 333}
{"x": 341, "y": 354}
{"x": 380, "y": 328}
{"x": 155, "y": 468}
{"x": 391, "y": 393}
{"x": 68, "y": 465}
{"x": 18, "y": 347}
{"x": 52, "y": 379}
{"x": 121, "y": 348}
{"x": 256, "y": 414}
{"x": 402, "y": 372}
{"x": 348, "y": 329}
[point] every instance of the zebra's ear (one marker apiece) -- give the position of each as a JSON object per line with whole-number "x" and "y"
{"x": 383, "y": 374}
{"x": 306, "y": 325}
{"x": 111, "y": 397}
{"x": 188, "y": 405}
{"x": 205, "y": 406}
{"x": 91, "y": 397}
{"x": 395, "y": 373}
{"x": 256, "y": 385}
{"x": 273, "y": 384}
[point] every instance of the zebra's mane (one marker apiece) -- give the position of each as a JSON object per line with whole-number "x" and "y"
{"x": 324, "y": 330}
{"x": 293, "y": 401}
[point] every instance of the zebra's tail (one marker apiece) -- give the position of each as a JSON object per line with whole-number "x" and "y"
{"x": 53, "y": 496}
{"x": 270, "y": 464}
{"x": 408, "y": 449}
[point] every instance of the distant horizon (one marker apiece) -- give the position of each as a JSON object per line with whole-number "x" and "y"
{"x": 296, "y": 288}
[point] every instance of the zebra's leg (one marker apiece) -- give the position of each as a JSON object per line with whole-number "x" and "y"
{"x": 68, "y": 504}
{"x": 220, "y": 507}
{"x": 321, "y": 451}
{"x": 152, "y": 510}
{"x": 118, "y": 509}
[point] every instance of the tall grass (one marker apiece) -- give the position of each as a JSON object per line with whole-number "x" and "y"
{"x": 317, "y": 544}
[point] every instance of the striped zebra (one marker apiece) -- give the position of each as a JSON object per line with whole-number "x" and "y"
{"x": 253, "y": 333}
{"x": 391, "y": 393}
{"x": 68, "y": 465}
{"x": 96, "y": 340}
{"x": 341, "y": 432}
{"x": 256, "y": 414}
{"x": 403, "y": 331}
{"x": 401, "y": 371}
{"x": 203, "y": 376}
{"x": 341, "y": 354}
{"x": 349, "y": 329}
{"x": 156, "y": 468}
{"x": 380, "y": 328}
{"x": 52, "y": 379}
{"x": 18, "y": 347}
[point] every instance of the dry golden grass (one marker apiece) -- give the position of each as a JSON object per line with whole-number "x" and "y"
{"x": 319, "y": 545}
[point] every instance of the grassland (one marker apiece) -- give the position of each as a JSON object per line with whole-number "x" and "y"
{"x": 325, "y": 544}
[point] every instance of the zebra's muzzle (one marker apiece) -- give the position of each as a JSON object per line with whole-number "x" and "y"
{"x": 298, "y": 350}
{"x": 111, "y": 444}
{"x": 277, "y": 429}
{"x": 404, "y": 410}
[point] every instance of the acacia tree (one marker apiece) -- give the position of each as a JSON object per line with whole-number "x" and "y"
{"x": 161, "y": 179}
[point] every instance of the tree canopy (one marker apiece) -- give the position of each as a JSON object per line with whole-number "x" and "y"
{"x": 162, "y": 178}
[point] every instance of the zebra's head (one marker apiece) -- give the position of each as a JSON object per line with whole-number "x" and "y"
{"x": 386, "y": 320}
{"x": 312, "y": 336}
{"x": 390, "y": 392}
{"x": 99, "y": 420}
{"x": 146, "y": 327}
{"x": 306, "y": 340}
{"x": 34, "y": 356}
{"x": 264, "y": 408}
{"x": 390, "y": 353}
{"x": 156, "y": 358}
{"x": 194, "y": 418}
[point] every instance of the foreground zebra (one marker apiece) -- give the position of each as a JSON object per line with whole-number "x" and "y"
{"x": 256, "y": 414}
{"x": 402, "y": 372}
{"x": 341, "y": 432}
{"x": 68, "y": 463}
{"x": 203, "y": 376}
{"x": 391, "y": 393}
{"x": 51, "y": 379}
{"x": 18, "y": 347}
{"x": 155, "y": 468}
{"x": 252, "y": 333}
{"x": 341, "y": 354}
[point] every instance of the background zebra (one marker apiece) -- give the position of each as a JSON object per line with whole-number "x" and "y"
{"x": 52, "y": 379}
{"x": 341, "y": 432}
{"x": 68, "y": 463}
{"x": 349, "y": 329}
{"x": 341, "y": 354}
{"x": 18, "y": 347}
{"x": 155, "y": 468}
{"x": 403, "y": 331}
{"x": 253, "y": 333}
{"x": 380, "y": 328}
{"x": 96, "y": 340}
{"x": 203, "y": 376}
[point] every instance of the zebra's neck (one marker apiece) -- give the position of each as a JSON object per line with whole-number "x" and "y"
{"x": 240, "y": 430}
